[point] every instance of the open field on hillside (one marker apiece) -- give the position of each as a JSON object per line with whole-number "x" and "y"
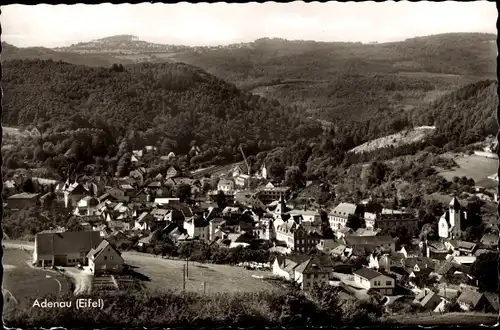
{"x": 167, "y": 274}
{"x": 399, "y": 139}
{"x": 473, "y": 166}
{"x": 21, "y": 281}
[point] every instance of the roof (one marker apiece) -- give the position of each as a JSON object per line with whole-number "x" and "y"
{"x": 428, "y": 298}
{"x": 455, "y": 204}
{"x": 127, "y": 186}
{"x": 470, "y": 297}
{"x": 66, "y": 242}
{"x": 311, "y": 266}
{"x": 490, "y": 239}
{"x": 493, "y": 298}
{"x": 344, "y": 209}
{"x": 23, "y": 195}
{"x": 466, "y": 245}
{"x": 367, "y": 273}
{"x": 94, "y": 253}
{"x": 368, "y": 240}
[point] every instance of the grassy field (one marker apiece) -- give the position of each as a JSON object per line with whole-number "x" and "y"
{"x": 473, "y": 166}
{"x": 24, "y": 282}
{"x": 167, "y": 274}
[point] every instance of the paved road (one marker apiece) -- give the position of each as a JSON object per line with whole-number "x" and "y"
{"x": 18, "y": 244}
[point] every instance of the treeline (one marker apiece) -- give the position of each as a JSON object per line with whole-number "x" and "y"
{"x": 176, "y": 309}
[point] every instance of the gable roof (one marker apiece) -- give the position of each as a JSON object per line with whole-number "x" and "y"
{"x": 431, "y": 296}
{"x": 470, "y": 297}
{"x": 344, "y": 209}
{"x": 368, "y": 240}
{"x": 490, "y": 239}
{"x": 455, "y": 204}
{"x": 367, "y": 273}
{"x": 94, "y": 253}
{"x": 66, "y": 242}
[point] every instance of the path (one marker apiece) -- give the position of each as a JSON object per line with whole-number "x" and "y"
{"x": 82, "y": 279}
{"x": 4, "y": 291}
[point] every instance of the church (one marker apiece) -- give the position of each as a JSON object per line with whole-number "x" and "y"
{"x": 450, "y": 223}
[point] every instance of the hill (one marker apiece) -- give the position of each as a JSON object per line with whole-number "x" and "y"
{"x": 110, "y": 111}
{"x": 10, "y": 52}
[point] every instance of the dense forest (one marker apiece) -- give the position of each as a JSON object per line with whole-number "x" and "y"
{"x": 97, "y": 116}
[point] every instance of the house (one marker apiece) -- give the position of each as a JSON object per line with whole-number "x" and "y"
{"x": 430, "y": 301}
{"x": 327, "y": 245}
{"x": 370, "y": 219}
{"x": 339, "y": 215}
{"x": 490, "y": 240}
{"x": 298, "y": 237}
{"x": 138, "y": 175}
{"x": 225, "y": 185}
{"x": 371, "y": 279}
{"x": 344, "y": 231}
{"x": 105, "y": 259}
{"x": 144, "y": 221}
{"x": 87, "y": 206}
{"x": 242, "y": 180}
{"x": 473, "y": 301}
{"x": 64, "y": 248}
{"x": 22, "y": 200}
{"x": 9, "y": 187}
{"x": 367, "y": 232}
{"x": 73, "y": 193}
{"x": 128, "y": 190}
{"x": 117, "y": 194}
{"x": 165, "y": 201}
{"x": 285, "y": 266}
{"x": 389, "y": 261}
{"x": 389, "y": 219}
{"x": 269, "y": 193}
{"x": 197, "y": 227}
{"x": 306, "y": 215}
{"x": 311, "y": 272}
{"x": 466, "y": 248}
{"x": 172, "y": 172}
{"x": 450, "y": 223}
{"x": 160, "y": 214}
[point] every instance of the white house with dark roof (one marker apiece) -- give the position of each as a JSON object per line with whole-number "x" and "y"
{"x": 105, "y": 259}
{"x": 371, "y": 279}
{"x": 225, "y": 185}
{"x": 310, "y": 272}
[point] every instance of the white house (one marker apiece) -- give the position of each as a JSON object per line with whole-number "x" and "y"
{"x": 307, "y": 215}
{"x": 87, "y": 206}
{"x": 371, "y": 279}
{"x": 225, "y": 185}
{"x": 105, "y": 258}
{"x": 197, "y": 228}
{"x": 242, "y": 180}
{"x": 311, "y": 272}
{"x": 339, "y": 215}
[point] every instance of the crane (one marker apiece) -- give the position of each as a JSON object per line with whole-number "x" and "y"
{"x": 246, "y": 163}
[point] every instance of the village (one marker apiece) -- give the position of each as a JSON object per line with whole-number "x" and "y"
{"x": 347, "y": 246}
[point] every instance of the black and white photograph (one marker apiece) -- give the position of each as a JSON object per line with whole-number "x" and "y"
{"x": 251, "y": 165}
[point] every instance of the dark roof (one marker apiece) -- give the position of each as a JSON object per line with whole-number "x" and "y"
{"x": 310, "y": 266}
{"x": 466, "y": 245}
{"x": 493, "y": 298}
{"x": 94, "y": 253}
{"x": 367, "y": 273}
{"x": 455, "y": 204}
{"x": 490, "y": 239}
{"x": 368, "y": 240}
{"x": 23, "y": 195}
{"x": 66, "y": 242}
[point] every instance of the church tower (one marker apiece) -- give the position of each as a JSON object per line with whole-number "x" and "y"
{"x": 455, "y": 216}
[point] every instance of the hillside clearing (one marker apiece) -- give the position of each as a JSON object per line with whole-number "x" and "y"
{"x": 471, "y": 166}
{"x": 405, "y": 137}
{"x": 167, "y": 274}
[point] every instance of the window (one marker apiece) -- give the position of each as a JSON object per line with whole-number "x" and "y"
{"x": 376, "y": 283}
{"x": 105, "y": 258}
{"x": 111, "y": 258}
{"x": 388, "y": 283}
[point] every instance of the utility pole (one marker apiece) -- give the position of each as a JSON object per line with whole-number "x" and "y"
{"x": 204, "y": 287}
{"x": 184, "y": 278}
{"x": 187, "y": 267}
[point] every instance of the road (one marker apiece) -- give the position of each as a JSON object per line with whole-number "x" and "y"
{"x": 18, "y": 244}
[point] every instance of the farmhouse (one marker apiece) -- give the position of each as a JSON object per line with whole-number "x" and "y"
{"x": 64, "y": 248}
{"x": 371, "y": 279}
{"x": 105, "y": 258}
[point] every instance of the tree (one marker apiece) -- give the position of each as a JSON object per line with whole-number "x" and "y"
{"x": 485, "y": 271}
{"x": 294, "y": 177}
{"x": 221, "y": 200}
{"x": 355, "y": 222}
{"x": 183, "y": 192}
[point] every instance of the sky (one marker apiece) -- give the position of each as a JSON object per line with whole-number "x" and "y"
{"x": 222, "y": 23}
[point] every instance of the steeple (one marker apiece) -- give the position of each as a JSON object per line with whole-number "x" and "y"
{"x": 455, "y": 204}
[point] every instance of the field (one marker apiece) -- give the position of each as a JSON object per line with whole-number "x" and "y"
{"x": 167, "y": 274}
{"x": 21, "y": 281}
{"x": 473, "y": 166}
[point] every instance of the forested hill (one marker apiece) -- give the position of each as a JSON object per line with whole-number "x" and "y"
{"x": 265, "y": 59}
{"x": 173, "y": 105}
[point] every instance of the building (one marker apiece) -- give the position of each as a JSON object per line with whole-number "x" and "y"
{"x": 64, "y": 248}
{"x": 371, "y": 279}
{"x": 242, "y": 180}
{"x": 172, "y": 172}
{"x": 196, "y": 227}
{"x": 385, "y": 243}
{"x": 270, "y": 193}
{"x": 312, "y": 272}
{"x": 225, "y": 185}
{"x": 339, "y": 215}
{"x": 298, "y": 237}
{"x": 73, "y": 193}
{"x": 306, "y": 215}
{"x": 87, "y": 206}
{"x": 105, "y": 259}
{"x": 450, "y": 223}
{"x": 471, "y": 300}
{"x": 389, "y": 219}
{"x": 22, "y": 200}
